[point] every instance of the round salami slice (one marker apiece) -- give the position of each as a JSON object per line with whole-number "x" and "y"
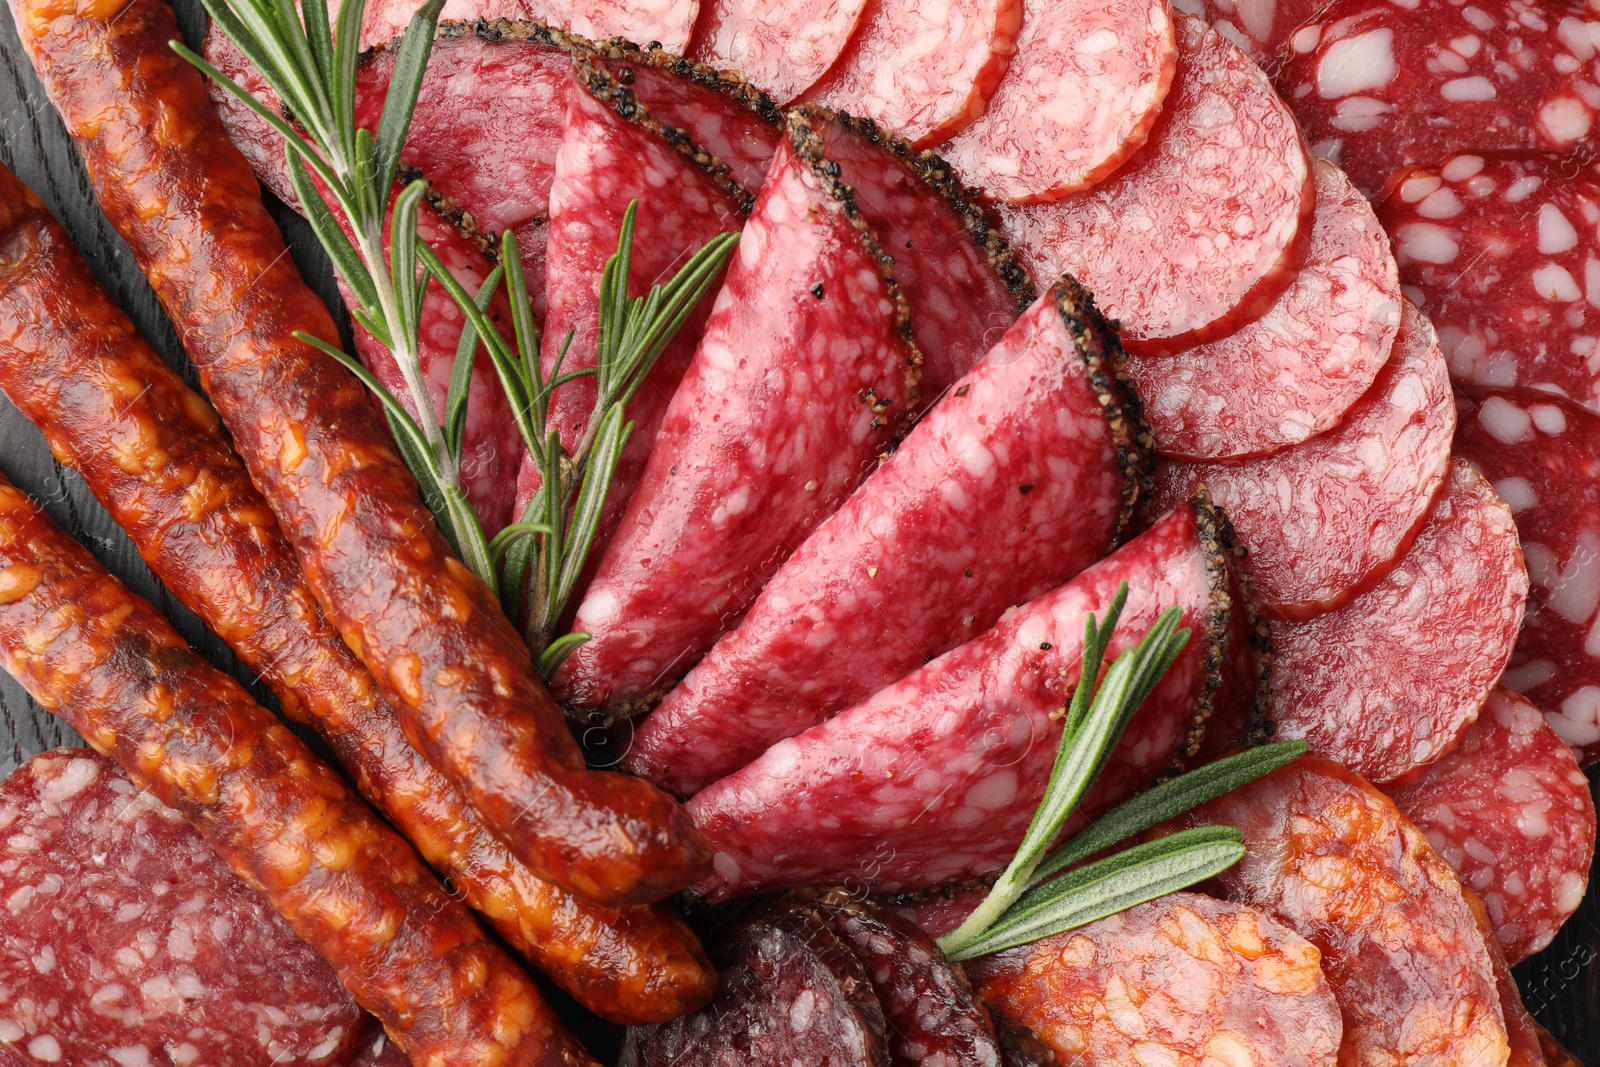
{"x": 1503, "y": 252}
{"x": 1381, "y": 84}
{"x": 1334, "y": 859}
{"x": 1295, "y": 371}
{"x": 1080, "y": 97}
{"x": 667, "y": 22}
{"x": 784, "y": 46}
{"x": 790, "y": 992}
{"x": 1206, "y": 981}
{"x": 1261, "y": 27}
{"x": 1323, "y": 517}
{"x": 126, "y": 940}
{"x": 924, "y": 71}
{"x": 1543, "y": 456}
{"x": 1199, "y": 232}
{"x": 1388, "y": 682}
{"x": 1511, "y": 811}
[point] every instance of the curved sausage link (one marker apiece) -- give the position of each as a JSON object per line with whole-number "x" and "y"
{"x": 152, "y": 452}
{"x": 117, "y": 672}
{"x": 443, "y": 653}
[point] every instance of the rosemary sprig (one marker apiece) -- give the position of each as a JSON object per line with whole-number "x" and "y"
{"x": 1032, "y": 898}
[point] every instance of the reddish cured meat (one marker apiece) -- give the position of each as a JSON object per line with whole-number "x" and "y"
{"x": 128, "y": 941}
{"x": 938, "y": 911}
{"x": 1334, "y": 859}
{"x": 935, "y": 778}
{"x": 1524, "y": 1036}
{"x": 1025, "y": 474}
{"x": 1200, "y": 231}
{"x": 1504, "y": 254}
{"x": 1295, "y": 371}
{"x": 1511, "y": 811}
{"x": 1203, "y": 980}
{"x": 1261, "y": 27}
{"x": 800, "y": 377}
{"x": 613, "y": 153}
{"x": 1555, "y": 1054}
{"x": 1381, "y": 84}
{"x": 1327, "y": 515}
{"x": 924, "y": 71}
{"x": 791, "y": 992}
{"x": 1079, "y": 98}
{"x": 784, "y": 47}
{"x": 1389, "y": 681}
{"x": 1541, "y": 454}
{"x": 668, "y": 22}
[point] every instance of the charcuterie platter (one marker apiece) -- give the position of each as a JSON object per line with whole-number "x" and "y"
{"x": 1019, "y": 532}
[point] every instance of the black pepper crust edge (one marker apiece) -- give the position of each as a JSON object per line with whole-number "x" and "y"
{"x": 1259, "y": 727}
{"x": 1216, "y": 538}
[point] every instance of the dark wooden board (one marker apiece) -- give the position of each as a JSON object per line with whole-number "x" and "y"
{"x": 1561, "y": 985}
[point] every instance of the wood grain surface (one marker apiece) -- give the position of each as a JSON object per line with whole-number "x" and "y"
{"x": 1561, "y": 985}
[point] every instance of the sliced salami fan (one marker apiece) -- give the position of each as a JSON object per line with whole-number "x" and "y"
{"x": 1200, "y": 231}
{"x": 802, "y": 373}
{"x": 1206, "y": 981}
{"x": 1379, "y": 85}
{"x": 126, "y": 940}
{"x": 1543, "y": 456}
{"x": 1020, "y": 478}
{"x": 1511, "y": 811}
{"x": 1079, "y": 97}
{"x": 790, "y": 992}
{"x": 1388, "y": 682}
{"x": 1503, "y": 252}
{"x": 667, "y": 22}
{"x": 1295, "y": 371}
{"x": 1261, "y": 27}
{"x": 615, "y": 152}
{"x": 936, "y": 777}
{"x": 1327, "y": 515}
{"x": 784, "y": 47}
{"x": 1335, "y": 860}
{"x": 923, "y": 70}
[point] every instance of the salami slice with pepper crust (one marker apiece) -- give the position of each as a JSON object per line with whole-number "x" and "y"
{"x": 1511, "y": 811}
{"x": 1336, "y": 861}
{"x": 936, "y": 777}
{"x": 1388, "y": 682}
{"x": 801, "y": 377}
{"x": 127, "y": 940}
{"x": 1543, "y": 456}
{"x": 1079, "y": 98}
{"x": 783, "y": 47}
{"x": 1324, "y": 517}
{"x": 1205, "y": 226}
{"x": 1030, "y": 469}
{"x": 790, "y": 991}
{"x": 1203, "y": 980}
{"x": 1296, "y": 371}
{"x": 925, "y": 71}
{"x": 1379, "y": 85}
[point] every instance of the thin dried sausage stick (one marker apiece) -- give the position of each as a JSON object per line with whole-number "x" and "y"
{"x": 114, "y": 670}
{"x": 153, "y": 453}
{"x": 444, "y": 655}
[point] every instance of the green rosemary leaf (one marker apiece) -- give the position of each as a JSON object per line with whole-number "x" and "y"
{"x": 347, "y": 56}
{"x": 586, "y": 511}
{"x": 523, "y": 326}
{"x": 553, "y": 657}
{"x": 455, "y": 405}
{"x": 300, "y": 55}
{"x": 247, "y": 43}
{"x": 519, "y": 557}
{"x": 669, "y": 308}
{"x": 1167, "y": 801}
{"x": 1109, "y": 886}
{"x": 346, "y": 260}
{"x": 319, "y": 36}
{"x": 403, "y": 259}
{"x": 507, "y": 539}
{"x": 401, "y": 99}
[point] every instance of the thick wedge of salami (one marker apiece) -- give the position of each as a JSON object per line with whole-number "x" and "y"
{"x": 124, "y": 934}
{"x": 615, "y": 152}
{"x": 791, "y": 992}
{"x": 1503, "y": 252}
{"x": 1199, "y": 232}
{"x": 1389, "y": 681}
{"x": 1379, "y": 85}
{"x": 783, "y": 47}
{"x": 1205, "y": 981}
{"x": 1080, "y": 96}
{"x": 935, "y": 778}
{"x": 925, "y": 71}
{"x": 667, "y": 22}
{"x": 1261, "y": 27}
{"x": 1511, "y": 811}
{"x": 1295, "y": 371}
{"x": 1021, "y": 477}
{"x": 801, "y": 376}
{"x": 1335, "y": 860}
{"x": 1327, "y": 515}
{"x": 1543, "y": 456}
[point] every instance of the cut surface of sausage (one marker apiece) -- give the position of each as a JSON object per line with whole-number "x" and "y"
{"x": 668, "y": 22}
{"x": 1261, "y": 27}
{"x": 783, "y": 47}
